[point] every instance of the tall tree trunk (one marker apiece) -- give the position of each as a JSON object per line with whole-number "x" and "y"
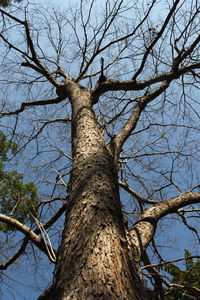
{"x": 94, "y": 261}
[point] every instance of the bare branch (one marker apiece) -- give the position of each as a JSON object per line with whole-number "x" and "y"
{"x": 21, "y": 250}
{"x": 130, "y": 85}
{"x": 169, "y": 262}
{"x": 11, "y": 16}
{"x": 171, "y": 12}
{"x": 121, "y": 137}
{"x": 144, "y": 228}
{"x": 136, "y": 195}
{"x": 39, "y": 242}
{"x": 24, "y": 105}
{"x": 113, "y": 42}
{"x": 40, "y": 68}
{"x": 26, "y": 240}
{"x": 56, "y": 216}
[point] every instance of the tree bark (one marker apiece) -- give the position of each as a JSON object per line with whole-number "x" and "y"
{"x": 94, "y": 259}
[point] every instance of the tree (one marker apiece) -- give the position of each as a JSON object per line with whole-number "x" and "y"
{"x": 185, "y": 283}
{"x": 6, "y": 3}
{"x": 17, "y": 199}
{"x": 125, "y": 80}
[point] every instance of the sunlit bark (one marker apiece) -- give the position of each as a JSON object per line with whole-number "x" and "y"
{"x": 94, "y": 261}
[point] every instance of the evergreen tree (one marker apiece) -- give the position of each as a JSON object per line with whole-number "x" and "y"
{"x": 17, "y": 199}
{"x": 185, "y": 283}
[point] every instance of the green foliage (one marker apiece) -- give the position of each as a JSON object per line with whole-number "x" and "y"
{"x": 188, "y": 279}
{"x": 17, "y": 199}
{"x": 6, "y": 3}
{"x": 6, "y": 147}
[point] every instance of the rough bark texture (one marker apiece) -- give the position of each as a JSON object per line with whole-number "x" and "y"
{"x": 144, "y": 229}
{"x": 94, "y": 261}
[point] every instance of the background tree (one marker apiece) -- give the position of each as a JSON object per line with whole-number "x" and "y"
{"x": 17, "y": 199}
{"x": 6, "y": 3}
{"x": 185, "y": 283}
{"x": 119, "y": 82}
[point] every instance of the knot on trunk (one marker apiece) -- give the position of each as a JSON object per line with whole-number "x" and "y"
{"x": 61, "y": 91}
